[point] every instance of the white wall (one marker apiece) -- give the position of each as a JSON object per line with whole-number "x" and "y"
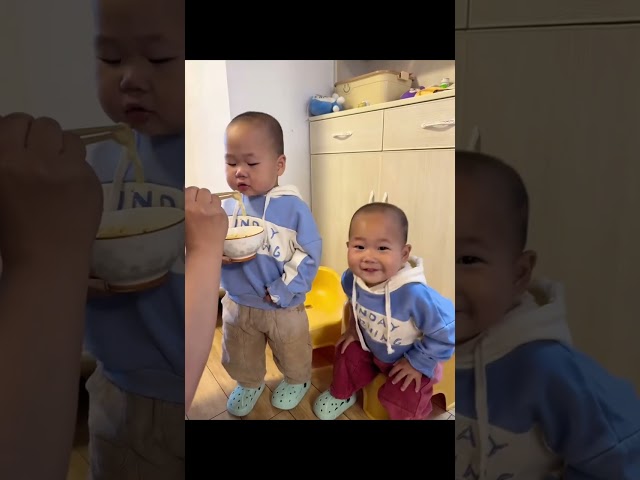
{"x": 206, "y": 117}
{"x": 282, "y": 88}
{"x": 218, "y": 90}
{"x": 48, "y": 62}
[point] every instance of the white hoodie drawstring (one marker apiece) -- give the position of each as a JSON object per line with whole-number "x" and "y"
{"x": 482, "y": 413}
{"x": 387, "y": 308}
{"x": 355, "y": 316}
{"x": 264, "y": 214}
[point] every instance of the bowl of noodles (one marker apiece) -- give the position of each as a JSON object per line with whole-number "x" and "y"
{"x": 143, "y": 239}
{"x": 244, "y": 238}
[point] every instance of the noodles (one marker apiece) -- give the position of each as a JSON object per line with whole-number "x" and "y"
{"x": 235, "y": 236}
{"x": 125, "y": 137}
{"x": 118, "y": 232}
{"x": 238, "y": 198}
{"x": 112, "y": 232}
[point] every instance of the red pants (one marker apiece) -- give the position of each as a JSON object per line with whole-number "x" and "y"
{"x": 355, "y": 369}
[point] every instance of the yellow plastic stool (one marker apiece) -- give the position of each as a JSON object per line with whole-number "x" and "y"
{"x": 324, "y": 304}
{"x": 370, "y": 403}
{"x": 446, "y": 387}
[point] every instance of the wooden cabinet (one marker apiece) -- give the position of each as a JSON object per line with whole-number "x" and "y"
{"x": 425, "y": 125}
{"x": 508, "y": 13}
{"x": 347, "y": 134}
{"x": 561, "y": 105}
{"x": 401, "y": 151}
{"x": 340, "y": 184}
{"x": 461, "y": 13}
{"x": 422, "y": 183}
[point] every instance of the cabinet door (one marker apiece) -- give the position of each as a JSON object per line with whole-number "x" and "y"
{"x": 461, "y": 13}
{"x": 422, "y": 183}
{"x": 463, "y": 126}
{"x": 340, "y": 184}
{"x": 561, "y": 105}
{"x": 514, "y": 13}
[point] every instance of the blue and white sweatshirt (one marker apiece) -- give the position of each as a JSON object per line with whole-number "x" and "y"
{"x": 403, "y": 317}
{"x": 138, "y": 338}
{"x": 530, "y": 407}
{"x": 287, "y": 262}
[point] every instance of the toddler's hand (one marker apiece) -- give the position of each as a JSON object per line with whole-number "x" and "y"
{"x": 206, "y": 222}
{"x": 403, "y": 369}
{"x": 50, "y": 197}
{"x": 267, "y": 297}
{"x": 347, "y": 339}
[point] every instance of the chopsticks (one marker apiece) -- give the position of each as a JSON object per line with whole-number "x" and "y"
{"x": 100, "y": 134}
{"x": 223, "y": 195}
{"x": 97, "y": 138}
{"x": 94, "y": 130}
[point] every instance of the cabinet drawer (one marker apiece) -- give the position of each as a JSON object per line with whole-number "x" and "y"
{"x": 423, "y": 125}
{"x": 360, "y": 132}
{"x": 515, "y": 13}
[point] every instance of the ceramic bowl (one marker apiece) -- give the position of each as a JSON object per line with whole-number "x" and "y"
{"x": 142, "y": 241}
{"x": 244, "y": 238}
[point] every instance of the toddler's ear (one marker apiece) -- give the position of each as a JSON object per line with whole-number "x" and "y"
{"x": 281, "y": 162}
{"x": 524, "y": 266}
{"x": 406, "y": 251}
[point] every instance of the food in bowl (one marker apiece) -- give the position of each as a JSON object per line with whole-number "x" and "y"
{"x": 243, "y": 242}
{"x": 233, "y": 236}
{"x": 137, "y": 221}
{"x": 114, "y": 232}
{"x": 137, "y": 245}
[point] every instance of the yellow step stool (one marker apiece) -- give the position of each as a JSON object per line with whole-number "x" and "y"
{"x": 324, "y": 305}
{"x": 446, "y": 388}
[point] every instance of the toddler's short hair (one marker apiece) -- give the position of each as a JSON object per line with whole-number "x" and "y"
{"x": 387, "y": 208}
{"x": 266, "y": 121}
{"x": 475, "y": 162}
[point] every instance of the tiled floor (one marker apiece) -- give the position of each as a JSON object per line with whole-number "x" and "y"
{"x": 211, "y": 401}
{"x": 216, "y": 386}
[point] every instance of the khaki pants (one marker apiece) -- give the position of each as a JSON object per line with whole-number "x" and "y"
{"x": 246, "y": 332}
{"x": 133, "y": 437}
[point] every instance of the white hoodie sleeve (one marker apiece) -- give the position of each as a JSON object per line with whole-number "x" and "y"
{"x": 434, "y": 316}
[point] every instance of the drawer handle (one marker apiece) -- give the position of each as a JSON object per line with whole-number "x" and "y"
{"x": 342, "y": 136}
{"x": 442, "y": 123}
